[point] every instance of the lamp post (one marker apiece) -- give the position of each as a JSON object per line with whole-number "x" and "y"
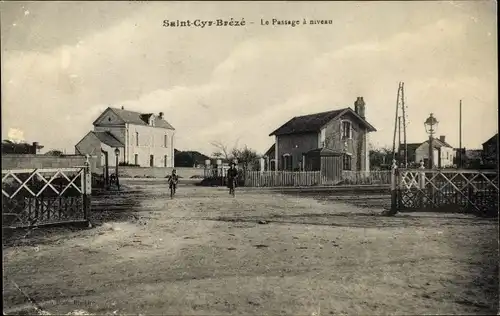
{"x": 430, "y": 124}
{"x": 117, "y": 154}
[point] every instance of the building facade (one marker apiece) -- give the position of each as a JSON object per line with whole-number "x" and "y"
{"x": 143, "y": 139}
{"x": 443, "y": 153}
{"x": 342, "y": 133}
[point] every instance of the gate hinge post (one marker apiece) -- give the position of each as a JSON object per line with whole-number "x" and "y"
{"x": 87, "y": 188}
{"x": 421, "y": 183}
{"x": 394, "y": 188}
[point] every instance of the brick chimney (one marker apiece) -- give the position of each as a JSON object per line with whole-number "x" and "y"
{"x": 442, "y": 138}
{"x": 160, "y": 115}
{"x": 359, "y": 107}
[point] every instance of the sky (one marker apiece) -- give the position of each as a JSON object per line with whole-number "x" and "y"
{"x": 63, "y": 63}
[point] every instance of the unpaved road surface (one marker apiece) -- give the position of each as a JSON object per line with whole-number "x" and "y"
{"x": 206, "y": 253}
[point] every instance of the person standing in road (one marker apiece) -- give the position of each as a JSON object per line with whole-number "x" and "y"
{"x": 232, "y": 176}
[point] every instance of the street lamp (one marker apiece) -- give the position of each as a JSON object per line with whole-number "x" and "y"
{"x": 430, "y": 127}
{"x": 117, "y": 154}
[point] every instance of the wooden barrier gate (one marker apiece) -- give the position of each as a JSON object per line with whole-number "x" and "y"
{"x": 37, "y": 197}
{"x": 457, "y": 191}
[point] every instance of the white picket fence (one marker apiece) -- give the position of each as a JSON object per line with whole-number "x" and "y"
{"x": 282, "y": 178}
{"x": 312, "y": 178}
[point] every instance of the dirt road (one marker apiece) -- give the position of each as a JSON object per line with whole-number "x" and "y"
{"x": 204, "y": 252}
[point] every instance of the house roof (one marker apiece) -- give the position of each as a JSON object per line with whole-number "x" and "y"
{"x": 137, "y": 118}
{"x": 436, "y": 143}
{"x": 494, "y": 138}
{"x": 108, "y": 139}
{"x": 411, "y": 149}
{"x": 446, "y": 144}
{"x": 411, "y": 146}
{"x": 312, "y": 123}
{"x": 270, "y": 150}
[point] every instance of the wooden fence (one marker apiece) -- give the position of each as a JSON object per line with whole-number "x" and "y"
{"x": 282, "y": 178}
{"x": 470, "y": 191}
{"x": 366, "y": 177}
{"x": 36, "y": 197}
{"x": 312, "y": 178}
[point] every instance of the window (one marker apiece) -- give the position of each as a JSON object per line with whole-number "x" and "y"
{"x": 346, "y": 163}
{"x": 322, "y": 138}
{"x": 286, "y": 162}
{"x": 137, "y": 138}
{"x": 346, "y": 130}
{"x": 151, "y": 160}
{"x": 136, "y": 159}
{"x": 165, "y": 159}
{"x": 165, "y": 141}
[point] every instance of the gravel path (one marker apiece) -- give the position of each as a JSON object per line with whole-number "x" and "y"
{"x": 204, "y": 252}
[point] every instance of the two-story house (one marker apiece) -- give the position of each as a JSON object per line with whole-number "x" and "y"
{"x": 328, "y": 141}
{"x": 143, "y": 139}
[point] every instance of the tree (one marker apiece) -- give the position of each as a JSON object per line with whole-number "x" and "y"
{"x": 380, "y": 157}
{"x": 248, "y": 158}
{"x": 222, "y": 151}
{"x": 54, "y": 152}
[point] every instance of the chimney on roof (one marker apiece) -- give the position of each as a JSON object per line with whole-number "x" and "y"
{"x": 442, "y": 138}
{"x": 359, "y": 107}
{"x": 160, "y": 115}
{"x": 34, "y": 148}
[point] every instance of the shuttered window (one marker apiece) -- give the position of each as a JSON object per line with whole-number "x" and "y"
{"x": 346, "y": 130}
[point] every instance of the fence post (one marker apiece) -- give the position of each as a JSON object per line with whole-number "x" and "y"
{"x": 87, "y": 190}
{"x": 394, "y": 188}
{"x": 421, "y": 183}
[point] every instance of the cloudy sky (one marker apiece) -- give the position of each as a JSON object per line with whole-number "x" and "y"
{"x": 65, "y": 62}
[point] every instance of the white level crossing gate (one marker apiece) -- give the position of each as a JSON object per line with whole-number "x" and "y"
{"x": 37, "y": 197}
{"x": 464, "y": 191}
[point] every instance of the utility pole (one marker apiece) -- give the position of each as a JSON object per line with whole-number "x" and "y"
{"x": 460, "y": 136}
{"x": 404, "y": 124}
{"x": 395, "y": 125}
{"x": 402, "y": 158}
{"x": 399, "y": 138}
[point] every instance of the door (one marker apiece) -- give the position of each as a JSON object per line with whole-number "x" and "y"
{"x": 151, "y": 161}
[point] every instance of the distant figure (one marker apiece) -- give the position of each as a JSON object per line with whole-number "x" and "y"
{"x": 232, "y": 175}
{"x": 173, "y": 179}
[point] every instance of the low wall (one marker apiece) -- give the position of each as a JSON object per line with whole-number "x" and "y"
{"x": 13, "y": 161}
{"x": 155, "y": 172}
